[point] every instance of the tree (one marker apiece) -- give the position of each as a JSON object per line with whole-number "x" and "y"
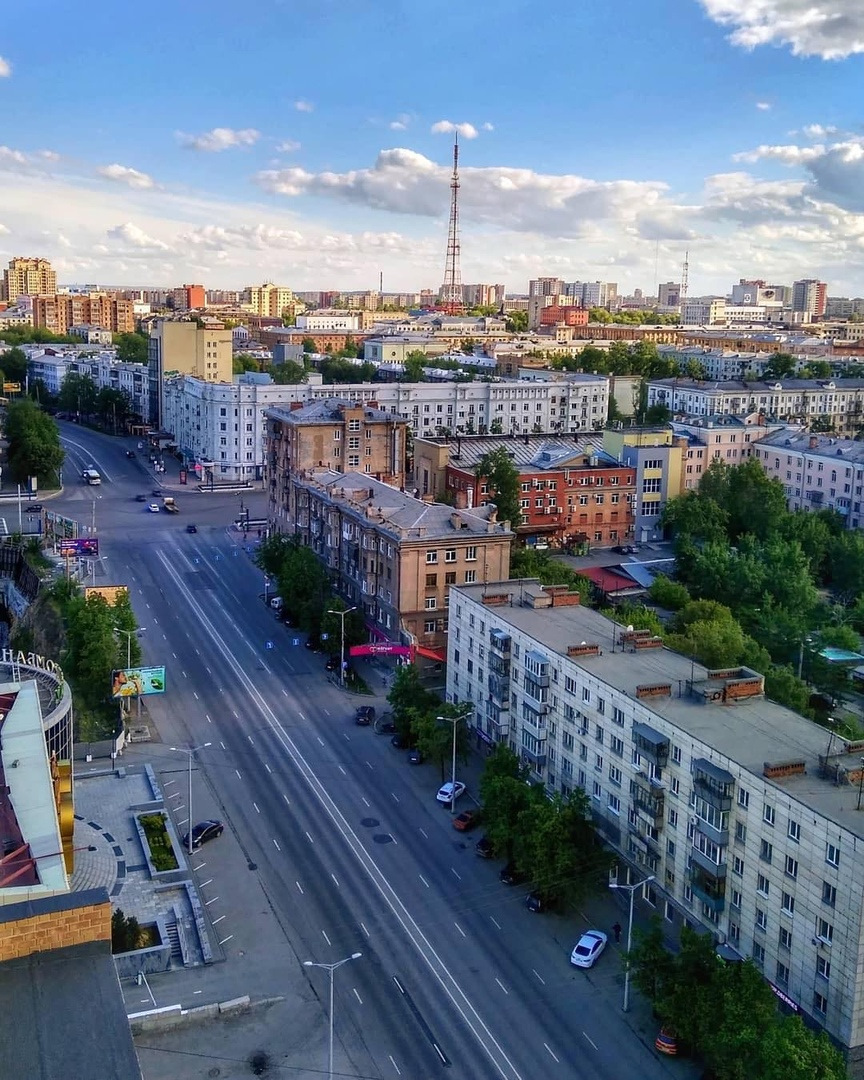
{"x": 244, "y": 362}
{"x": 846, "y": 561}
{"x": 502, "y": 478}
{"x": 290, "y": 372}
{"x": 309, "y": 345}
{"x": 517, "y": 322}
{"x": 113, "y": 406}
{"x": 331, "y": 625}
{"x": 505, "y": 799}
{"x": 657, "y": 415}
{"x": 529, "y": 563}
{"x": 14, "y": 363}
{"x": 132, "y": 348}
{"x": 125, "y": 932}
{"x": 91, "y": 650}
{"x": 780, "y": 366}
{"x": 789, "y": 1051}
{"x": 128, "y": 642}
{"x": 556, "y": 847}
{"x": 652, "y": 966}
{"x": 668, "y": 594}
{"x": 433, "y": 737}
{"x": 78, "y": 394}
{"x": 414, "y": 366}
{"x": 408, "y": 694}
{"x": 34, "y": 443}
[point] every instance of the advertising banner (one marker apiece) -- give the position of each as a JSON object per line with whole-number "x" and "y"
{"x": 111, "y": 593}
{"x": 136, "y": 682}
{"x": 82, "y": 546}
{"x": 380, "y": 648}
{"x": 57, "y": 525}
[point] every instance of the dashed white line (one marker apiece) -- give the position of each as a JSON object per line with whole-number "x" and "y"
{"x": 300, "y": 887}
{"x": 203, "y": 884}
{"x": 309, "y": 838}
{"x": 267, "y": 767}
{"x": 452, "y": 871}
{"x": 335, "y": 879}
{"x": 539, "y": 976}
{"x": 236, "y": 714}
{"x": 185, "y": 676}
{"x": 395, "y": 796}
{"x": 494, "y": 920}
{"x": 328, "y": 713}
{"x": 354, "y": 988}
{"x": 174, "y": 654}
{"x": 207, "y": 903}
{"x": 239, "y": 777}
{"x": 300, "y": 714}
{"x": 207, "y": 718}
{"x": 424, "y": 834}
{"x": 365, "y": 800}
{"x": 503, "y": 987}
{"x": 395, "y": 1066}
{"x": 249, "y": 737}
{"x": 285, "y": 797}
{"x": 257, "y": 811}
{"x": 222, "y": 942}
{"x": 551, "y": 1054}
{"x": 320, "y": 740}
{"x": 369, "y": 763}
{"x": 276, "y": 842}
{"x": 346, "y": 736}
{"x": 339, "y": 767}
{"x": 423, "y": 879}
{"x": 459, "y": 928}
{"x": 327, "y": 939}
{"x": 285, "y": 692}
{"x": 590, "y": 1040}
{"x": 222, "y": 744}
{"x": 365, "y": 931}
{"x": 195, "y": 695}
{"x": 207, "y": 669}
{"x": 221, "y": 917}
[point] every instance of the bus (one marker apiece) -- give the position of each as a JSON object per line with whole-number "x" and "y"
{"x": 91, "y": 476}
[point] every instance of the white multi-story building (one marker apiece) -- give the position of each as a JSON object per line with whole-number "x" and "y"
{"x": 818, "y": 472}
{"x": 703, "y": 311}
{"x": 747, "y": 816}
{"x": 333, "y": 320}
{"x": 103, "y": 368}
{"x": 839, "y": 403}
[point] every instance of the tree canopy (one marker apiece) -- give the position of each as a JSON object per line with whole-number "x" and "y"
{"x": 34, "y": 444}
{"x": 502, "y": 478}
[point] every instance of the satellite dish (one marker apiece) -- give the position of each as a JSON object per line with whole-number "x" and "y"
{"x": 630, "y": 628}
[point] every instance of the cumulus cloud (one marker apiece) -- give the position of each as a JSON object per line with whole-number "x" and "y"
{"x": 287, "y": 146}
{"x": 123, "y": 174}
{"x": 304, "y": 106}
{"x": 830, "y": 31}
{"x": 788, "y": 155}
{"x": 488, "y": 127}
{"x": 835, "y": 168}
{"x": 447, "y": 127}
{"x": 10, "y": 158}
{"x": 220, "y": 139}
{"x": 405, "y": 182}
{"x": 400, "y": 123}
{"x": 5, "y": 68}
{"x": 763, "y": 106}
{"x": 132, "y": 236}
{"x": 818, "y": 131}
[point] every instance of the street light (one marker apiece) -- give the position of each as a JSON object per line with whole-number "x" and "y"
{"x": 129, "y": 635}
{"x": 342, "y": 615}
{"x": 631, "y": 889}
{"x": 454, "y": 720}
{"x": 330, "y": 968}
{"x": 191, "y": 751}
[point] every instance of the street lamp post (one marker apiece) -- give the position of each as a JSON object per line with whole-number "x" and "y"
{"x": 190, "y": 751}
{"x": 454, "y": 720}
{"x": 342, "y": 615}
{"x": 330, "y": 968}
{"x": 129, "y": 635}
{"x": 631, "y": 889}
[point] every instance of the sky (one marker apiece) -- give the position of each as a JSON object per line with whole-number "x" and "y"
{"x": 310, "y": 143}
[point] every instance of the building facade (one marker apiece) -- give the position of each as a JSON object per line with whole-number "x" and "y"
{"x": 27, "y": 277}
{"x": 181, "y": 348}
{"x": 656, "y": 456}
{"x": 810, "y": 297}
{"x": 269, "y": 299}
{"x": 729, "y": 439}
{"x": 391, "y": 555}
{"x": 59, "y": 312}
{"x": 745, "y": 814}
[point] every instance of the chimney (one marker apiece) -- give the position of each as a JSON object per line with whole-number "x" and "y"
{"x": 814, "y": 442}
{"x": 295, "y": 405}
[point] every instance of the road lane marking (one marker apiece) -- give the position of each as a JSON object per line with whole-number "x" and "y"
{"x": 590, "y": 1040}
{"x": 239, "y": 777}
{"x": 249, "y": 737}
{"x": 174, "y": 654}
{"x": 185, "y": 676}
{"x": 423, "y": 879}
{"x": 222, "y": 942}
{"x": 320, "y": 740}
{"x": 309, "y": 838}
{"x": 267, "y": 767}
{"x": 195, "y": 695}
{"x": 339, "y": 767}
{"x": 204, "y": 884}
{"x": 494, "y": 920}
{"x": 395, "y": 1066}
{"x": 554, "y": 1058}
{"x": 300, "y": 887}
{"x": 276, "y": 842}
{"x": 452, "y": 871}
{"x": 335, "y": 879}
{"x": 539, "y": 976}
{"x": 503, "y": 987}
{"x": 327, "y": 712}
{"x": 346, "y": 735}
{"x": 365, "y": 801}
{"x": 424, "y": 834}
{"x": 222, "y": 744}
{"x": 207, "y": 669}
{"x": 459, "y": 928}
{"x": 285, "y": 797}
{"x": 354, "y": 988}
{"x": 369, "y": 763}
{"x": 221, "y": 917}
{"x": 207, "y": 718}
{"x": 365, "y": 931}
{"x": 257, "y": 811}
{"x": 327, "y": 939}
{"x": 236, "y": 715}
{"x": 395, "y": 796}
{"x": 285, "y": 692}
{"x": 207, "y": 903}
{"x": 300, "y": 714}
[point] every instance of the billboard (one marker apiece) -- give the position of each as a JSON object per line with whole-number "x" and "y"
{"x": 82, "y": 546}
{"x": 135, "y": 682}
{"x": 57, "y": 525}
{"x": 111, "y": 593}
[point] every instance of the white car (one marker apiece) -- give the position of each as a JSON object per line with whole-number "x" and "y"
{"x": 153, "y": 508}
{"x": 588, "y": 948}
{"x": 446, "y": 793}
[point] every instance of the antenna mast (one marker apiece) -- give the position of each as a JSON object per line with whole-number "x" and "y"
{"x": 451, "y": 290}
{"x": 685, "y": 280}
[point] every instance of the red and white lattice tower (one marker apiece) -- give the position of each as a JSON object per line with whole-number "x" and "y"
{"x": 451, "y": 291}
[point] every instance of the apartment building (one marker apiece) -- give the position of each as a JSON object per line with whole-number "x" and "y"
{"x": 59, "y": 312}
{"x": 27, "y": 277}
{"x": 810, "y": 297}
{"x": 103, "y": 368}
{"x": 181, "y": 348}
{"x": 337, "y": 435}
{"x": 729, "y": 439}
{"x": 269, "y": 299}
{"x": 329, "y": 321}
{"x": 656, "y": 456}
{"x": 483, "y": 295}
{"x": 393, "y": 556}
{"x": 746, "y": 816}
{"x": 801, "y": 401}
{"x": 188, "y": 298}
{"x": 818, "y": 472}
{"x": 703, "y": 311}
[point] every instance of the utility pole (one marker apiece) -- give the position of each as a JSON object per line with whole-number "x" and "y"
{"x": 631, "y": 889}
{"x": 190, "y": 751}
{"x": 342, "y": 615}
{"x": 454, "y": 720}
{"x": 330, "y": 969}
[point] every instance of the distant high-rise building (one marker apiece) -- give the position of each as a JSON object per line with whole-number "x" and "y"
{"x": 545, "y": 286}
{"x": 669, "y": 294}
{"x": 754, "y": 293}
{"x": 810, "y": 296}
{"x": 59, "y": 312}
{"x": 483, "y": 295}
{"x": 28, "y": 277}
{"x": 188, "y": 297}
{"x": 184, "y": 349}
{"x": 270, "y": 299}
{"x": 592, "y": 293}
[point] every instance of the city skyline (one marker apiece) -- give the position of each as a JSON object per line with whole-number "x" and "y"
{"x": 217, "y": 160}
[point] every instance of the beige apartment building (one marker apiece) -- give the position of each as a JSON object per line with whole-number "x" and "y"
{"x": 269, "y": 299}
{"x": 59, "y": 312}
{"x": 28, "y": 277}
{"x": 730, "y": 439}
{"x": 339, "y": 435}
{"x": 181, "y": 348}
{"x": 391, "y": 555}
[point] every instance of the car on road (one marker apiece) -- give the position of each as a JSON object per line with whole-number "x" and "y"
{"x": 153, "y": 508}
{"x": 313, "y": 644}
{"x": 130, "y": 453}
{"x": 447, "y": 794}
{"x": 332, "y": 663}
{"x": 510, "y": 875}
{"x": 466, "y": 821}
{"x": 140, "y": 498}
{"x": 483, "y": 848}
{"x": 588, "y": 948}
{"x": 156, "y": 491}
{"x": 33, "y": 508}
{"x": 202, "y": 832}
{"x": 190, "y": 528}
{"x": 625, "y": 549}
{"x": 398, "y": 741}
{"x": 414, "y": 757}
{"x": 536, "y": 902}
{"x": 364, "y": 716}
{"x": 385, "y": 725}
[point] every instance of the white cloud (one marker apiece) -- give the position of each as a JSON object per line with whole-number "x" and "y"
{"x": 447, "y": 127}
{"x": 400, "y": 123}
{"x": 5, "y": 68}
{"x": 48, "y": 155}
{"x": 763, "y": 106}
{"x": 3, "y": 230}
{"x": 132, "y": 236}
{"x": 287, "y": 146}
{"x": 10, "y": 158}
{"x": 788, "y": 155}
{"x": 818, "y": 131}
{"x": 123, "y": 174}
{"x": 488, "y": 127}
{"x": 835, "y": 168}
{"x": 304, "y": 106}
{"x": 220, "y": 139}
{"x": 831, "y": 31}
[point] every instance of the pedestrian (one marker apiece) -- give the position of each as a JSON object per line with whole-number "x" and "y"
{"x": 616, "y": 930}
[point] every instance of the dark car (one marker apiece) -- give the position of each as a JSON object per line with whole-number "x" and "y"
{"x": 398, "y": 740}
{"x": 536, "y": 903}
{"x": 202, "y": 832}
{"x": 157, "y": 491}
{"x": 130, "y": 453}
{"x": 483, "y": 848}
{"x": 509, "y": 875}
{"x": 364, "y": 716}
{"x": 823, "y": 702}
{"x": 313, "y": 644}
{"x": 625, "y": 549}
{"x": 414, "y": 757}
{"x": 190, "y": 528}
{"x": 332, "y": 663}
{"x": 385, "y": 727}
{"x": 33, "y": 508}
{"x": 140, "y": 498}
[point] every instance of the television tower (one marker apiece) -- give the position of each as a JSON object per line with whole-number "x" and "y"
{"x": 451, "y": 291}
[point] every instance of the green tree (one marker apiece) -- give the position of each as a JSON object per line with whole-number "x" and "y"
{"x": 132, "y": 348}
{"x": 408, "y": 695}
{"x": 243, "y": 362}
{"x": 288, "y": 373}
{"x": 91, "y": 650}
{"x": 668, "y": 594}
{"x": 846, "y": 562}
{"x": 657, "y": 415}
{"x": 517, "y": 322}
{"x": 529, "y": 563}
{"x": 14, "y": 363}
{"x": 556, "y": 847}
{"x": 414, "y": 366}
{"x": 78, "y": 394}
{"x": 123, "y": 619}
{"x": 114, "y": 407}
{"x": 433, "y": 737}
{"x": 309, "y": 345}
{"x": 125, "y": 932}
{"x": 652, "y": 966}
{"x": 331, "y": 625}
{"x": 34, "y": 443}
{"x": 505, "y": 799}
{"x": 789, "y": 1051}
{"x": 502, "y": 478}
{"x": 780, "y": 366}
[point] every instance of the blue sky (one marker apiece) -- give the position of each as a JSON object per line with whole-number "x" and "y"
{"x": 303, "y": 142}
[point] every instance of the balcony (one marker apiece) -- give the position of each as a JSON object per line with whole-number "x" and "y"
{"x": 499, "y": 643}
{"x": 535, "y": 758}
{"x": 711, "y": 891}
{"x": 499, "y": 688}
{"x": 714, "y": 784}
{"x": 649, "y": 802}
{"x": 717, "y": 871}
{"x": 651, "y": 744}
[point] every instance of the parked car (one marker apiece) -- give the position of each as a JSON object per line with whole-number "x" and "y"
{"x": 625, "y": 549}
{"x": 536, "y": 903}
{"x": 385, "y": 726}
{"x": 140, "y": 498}
{"x": 364, "y": 716}
{"x": 823, "y": 702}
{"x": 332, "y": 663}
{"x": 483, "y": 848}
{"x": 33, "y": 508}
{"x": 588, "y": 948}
{"x": 157, "y": 491}
{"x": 447, "y": 794}
{"x": 510, "y": 875}
{"x": 667, "y": 1043}
{"x": 202, "y": 832}
{"x": 466, "y": 821}
{"x": 153, "y": 508}
{"x": 414, "y": 757}
{"x": 190, "y": 528}
{"x": 398, "y": 741}
{"x": 130, "y": 453}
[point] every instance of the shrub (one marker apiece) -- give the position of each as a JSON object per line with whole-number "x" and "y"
{"x": 161, "y": 851}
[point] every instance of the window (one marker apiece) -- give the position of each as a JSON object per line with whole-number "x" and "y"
{"x": 586, "y": 695}
{"x": 449, "y": 555}
{"x": 431, "y": 581}
{"x": 615, "y": 775}
{"x": 738, "y": 866}
{"x": 740, "y": 832}
{"x": 759, "y": 954}
{"x": 429, "y": 626}
{"x": 471, "y": 553}
{"x": 450, "y": 577}
{"x": 354, "y": 459}
{"x": 787, "y": 904}
{"x": 824, "y": 931}
{"x": 820, "y": 1003}
{"x": 761, "y": 919}
{"x": 768, "y": 815}
{"x": 736, "y": 898}
{"x": 829, "y": 894}
{"x": 670, "y": 848}
{"x": 598, "y": 762}
{"x": 431, "y": 603}
{"x": 766, "y": 851}
{"x": 431, "y": 557}
{"x": 614, "y": 803}
{"x": 618, "y": 716}
{"x": 597, "y": 791}
{"x": 782, "y": 974}
{"x": 598, "y": 733}
{"x": 785, "y": 938}
{"x": 795, "y": 831}
{"x": 832, "y": 854}
{"x": 674, "y": 785}
{"x": 791, "y": 867}
{"x": 616, "y": 745}
{"x": 676, "y": 755}
{"x": 763, "y": 885}
{"x": 673, "y": 818}
{"x": 734, "y": 932}
{"x": 743, "y": 797}
{"x": 823, "y": 967}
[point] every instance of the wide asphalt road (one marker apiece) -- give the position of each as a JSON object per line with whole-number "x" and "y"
{"x": 346, "y": 838}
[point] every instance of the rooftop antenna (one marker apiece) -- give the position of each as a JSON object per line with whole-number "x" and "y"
{"x": 685, "y": 281}
{"x": 451, "y": 290}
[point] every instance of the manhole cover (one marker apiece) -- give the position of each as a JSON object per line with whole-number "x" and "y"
{"x": 370, "y": 822}
{"x": 383, "y": 838}
{"x": 252, "y": 865}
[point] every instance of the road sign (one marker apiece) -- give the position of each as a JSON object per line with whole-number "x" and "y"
{"x": 269, "y": 645}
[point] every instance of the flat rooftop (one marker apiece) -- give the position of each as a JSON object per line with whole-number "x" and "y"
{"x": 751, "y": 733}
